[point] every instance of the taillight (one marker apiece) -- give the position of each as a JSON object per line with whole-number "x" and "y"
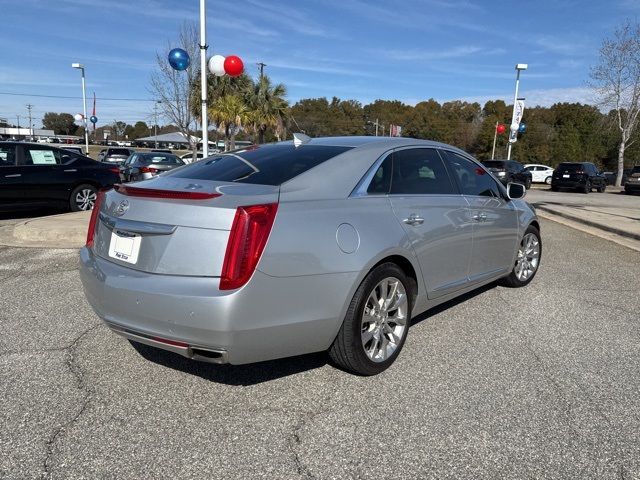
{"x": 248, "y": 237}
{"x": 157, "y": 193}
{"x": 115, "y": 170}
{"x": 148, "y": 170}
{"x": 93, "y": 222}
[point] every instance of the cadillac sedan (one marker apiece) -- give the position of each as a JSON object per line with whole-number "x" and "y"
{"x": 305, "y": 246}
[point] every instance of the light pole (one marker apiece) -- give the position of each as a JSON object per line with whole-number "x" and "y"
{"x": 84, "y": 102}
{"x": 519, "y": 67}
{"x": 203, "y": 80}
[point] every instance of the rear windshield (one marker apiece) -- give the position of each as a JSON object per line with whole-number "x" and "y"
{"x": 159, "y": 158}
{"x": 493, "y": 164}
{"x": 119, "y": 151}
{"x": 570, "y": 167}
{"x": 271, "y": 164}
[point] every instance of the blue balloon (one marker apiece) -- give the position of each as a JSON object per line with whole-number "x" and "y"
{"x": 93, "y": 119}
{"x": 522, "y": 128}
{"x": 179, "y": 59}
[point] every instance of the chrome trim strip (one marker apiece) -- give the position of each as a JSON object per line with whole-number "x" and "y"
{"x": 136, "y": 226}
{"x": 220, "y": 358}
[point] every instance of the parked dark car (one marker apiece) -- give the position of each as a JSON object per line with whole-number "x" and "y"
{"x": 161, "y": 150}
{"x": 610, "y": 177}
{"x": 37, "y": 175}
{"x": 142, "y": 166}
{"x": 509, "y": 171}
{"x": 632, "y": 183}
{"x": 581, "y": 176}
{"x": 115, "y": 155}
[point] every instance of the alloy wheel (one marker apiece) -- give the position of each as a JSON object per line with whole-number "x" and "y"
{"x": 85, "y": 199}
{"x": 384, "y": 319}
{"x": 528, "y": 257}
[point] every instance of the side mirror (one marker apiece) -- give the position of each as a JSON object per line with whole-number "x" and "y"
{"x": 516, "y": 191}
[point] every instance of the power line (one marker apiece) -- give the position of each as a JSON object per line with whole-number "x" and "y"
{"x": 76, "y": 98}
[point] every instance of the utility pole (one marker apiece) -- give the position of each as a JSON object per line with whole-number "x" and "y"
{"x": 204, "y": 121}
{"x": 495, "y": 136}
{"x": 155, "y": 127}
{"x": 261, "y": 65}
{"x": 29, "y": 107}
{"x": 18, "y": 120}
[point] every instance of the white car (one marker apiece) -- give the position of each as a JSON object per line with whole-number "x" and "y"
{"x": 540, "y": 173}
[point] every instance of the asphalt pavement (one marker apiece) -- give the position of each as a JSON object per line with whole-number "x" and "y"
{"x": 539, "y": 382}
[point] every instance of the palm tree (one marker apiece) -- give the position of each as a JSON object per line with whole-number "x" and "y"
{"x": 268, "y": 107}
{"x": 229, "y": 113}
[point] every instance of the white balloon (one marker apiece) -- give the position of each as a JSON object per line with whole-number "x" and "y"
{"x": 216, "y": 65}
{"x": 78, "y": 116}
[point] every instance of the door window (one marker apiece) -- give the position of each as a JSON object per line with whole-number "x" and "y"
{"x": 420, "y": 171}
{"x": 7, "y": 155}
{"x": 36, "y": 155}
{"x": 472, "y": 178}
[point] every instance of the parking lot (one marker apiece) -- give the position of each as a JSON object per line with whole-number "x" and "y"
{"x": 507, "y": 383}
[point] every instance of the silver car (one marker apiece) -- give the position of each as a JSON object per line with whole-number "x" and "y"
{"x": 297, "y": 247}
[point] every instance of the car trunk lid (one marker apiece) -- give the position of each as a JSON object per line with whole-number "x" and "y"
{"x": 173, "y": 226}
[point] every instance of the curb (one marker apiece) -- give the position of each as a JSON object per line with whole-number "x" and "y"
{"x": 600, "y": 226}
{"x": 65, "y": 231}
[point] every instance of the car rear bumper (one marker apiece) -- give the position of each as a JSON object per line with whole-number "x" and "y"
{"x": 562, "y": 183}
{"x": 632, "y": 187}
{"x": 270, "y": 317}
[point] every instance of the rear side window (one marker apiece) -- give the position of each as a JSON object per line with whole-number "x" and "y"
{"x": 35, "y": 155}
{"x": 494, "y": 164}
{"x": 473, "y": 179}
{"x": 271, "y": 164}
{"x": 7, "y": 155}
{"x": 419, "y": 171}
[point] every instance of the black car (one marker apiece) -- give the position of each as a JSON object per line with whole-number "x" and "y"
{"x": 612, "y": 176}
{"x": 509, "y": 171}
{"x": 142, "y": 166}
{"x": 581, "y": 176}
{"x": 37, "y": 175}
{"x": 632, "y": 183}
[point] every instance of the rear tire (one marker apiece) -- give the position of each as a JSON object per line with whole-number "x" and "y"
{"x": 527, "y": 260}
{"x": 372, "y": 336}
{"x": 83, "y": 197}
{"x": 602, "y": 189}
{"x": 547, "y": 180}
{"x": 527, "y": 184}
{"x": 554, "y": 189}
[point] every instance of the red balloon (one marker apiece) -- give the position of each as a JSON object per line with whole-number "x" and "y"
{"x": 501, "y": 129}
{"x": 233, "y": 66}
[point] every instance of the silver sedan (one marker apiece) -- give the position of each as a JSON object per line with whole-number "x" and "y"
{"x": 305, "y": 246}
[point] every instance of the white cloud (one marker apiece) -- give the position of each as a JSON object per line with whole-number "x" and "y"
{"x": 541, "y": 97}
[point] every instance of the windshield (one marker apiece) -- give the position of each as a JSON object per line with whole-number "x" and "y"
{"x": 493, "y": 164}
{"x": 271, "y": 164}
{"x": 570, "y": 167}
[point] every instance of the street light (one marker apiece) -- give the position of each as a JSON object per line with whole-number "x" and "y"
{"x": 84, "y": 102}
{"x": 519, "y": 67}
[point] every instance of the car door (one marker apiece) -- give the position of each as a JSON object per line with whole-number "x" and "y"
{"x": 10, "y": 176}
{"x": 495, "y": 219}
{"x": 44, "y": 178}
{"x": 435, "y": 217}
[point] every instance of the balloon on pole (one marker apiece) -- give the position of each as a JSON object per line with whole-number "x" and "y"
{"x": 522, "y": 128}
{"x": 233, "y": 66}
{"x": 179, "y": 59}
{"x": 93, "y": 119}
{"x": 78, "y": 116}
{"x": 501, "y": 129}
{"x": 216, "y": 65}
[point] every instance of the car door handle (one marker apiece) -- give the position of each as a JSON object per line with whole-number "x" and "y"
{"x": 480, "y": 217}
{"x": 71, "y": 170}
{"x": 414, "y": 220}
{"x": 13, "y": 175}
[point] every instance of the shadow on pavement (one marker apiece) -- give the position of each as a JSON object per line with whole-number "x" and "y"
{"x": 26, "y": 214}
{"x": 236, "y": 375}
{"x": 255, "y": 373}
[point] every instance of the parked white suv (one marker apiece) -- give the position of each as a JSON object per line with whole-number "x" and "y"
{"x": 540, "y": 173}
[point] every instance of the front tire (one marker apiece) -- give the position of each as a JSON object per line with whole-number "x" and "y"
{"x": 83, "y": 197}
{"x": 527, "y": 260}
{"x": 377, "y": 322}
{"x": 587, "y": 187}
{"x": 547, "y": 180}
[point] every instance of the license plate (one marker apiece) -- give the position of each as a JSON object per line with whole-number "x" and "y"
{"x": 566, "y": 176}
{"x": 124, "y": 246}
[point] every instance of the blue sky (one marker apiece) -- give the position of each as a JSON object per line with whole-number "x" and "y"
{"x": 408, "y": 50}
